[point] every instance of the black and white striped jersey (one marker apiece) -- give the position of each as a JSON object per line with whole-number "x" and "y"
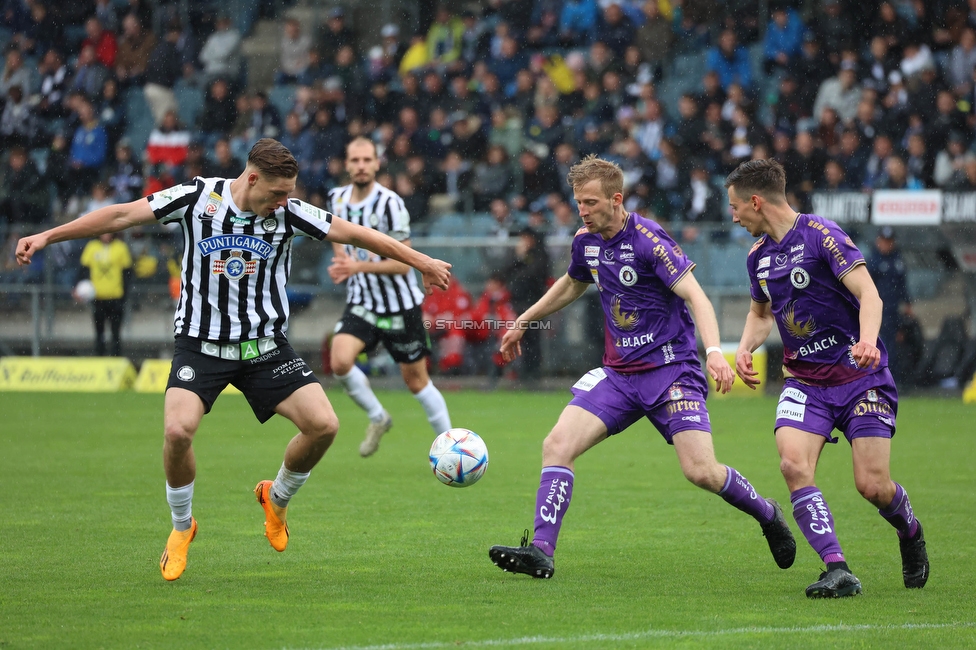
{"x": 382, "y": 210}
{"x": 235, "y": 263}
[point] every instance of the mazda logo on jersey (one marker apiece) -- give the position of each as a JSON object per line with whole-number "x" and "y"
{"x": 247, "y": 243}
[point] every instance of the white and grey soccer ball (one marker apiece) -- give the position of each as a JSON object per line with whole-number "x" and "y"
{"x": 458, "y": 457}
{"x": 84, "y": 291}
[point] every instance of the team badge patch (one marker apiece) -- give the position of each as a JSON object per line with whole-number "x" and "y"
{"x": 234, "y": 267}
{"x": 800, "y": 278}
{"x": 676, "y": 393}
{"x": 628, "y": 276}
{"x": 872, "y": 395}
{"x": 186, "y": 373}
{"x": 270, "y": 224}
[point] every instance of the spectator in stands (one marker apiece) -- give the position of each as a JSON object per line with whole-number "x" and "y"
{"x": 841, "y": 93}
{"x": 527, "y": 279}
{"x": 168, "y": 143}
{"x": 535, "y": 179}
{"x": 223, "y": 160}
{"x": 109, "y": 264}
{"x": 89, "y": 75}
{"x": 896, "y": 176}
{"x": 54, "y": 76}
{"x": 453, "y": 182}
{"x": 125, "y": 176}
{"x": 813, "y": 67}
{"x": 805, "y": 165}
{"x": 335, "y": 34}
{"x": 18, "y": 123}
{"x": 105, "y": 12}
{"x": 615, "y": 28}
{"x": 784, "y": 37}
{"x": 654, "y": 39}
{"x": 89, "y": 149}
{"x": 298, "y": 141}
{"x": 834, "y": 179}
{"x": 966, "y": 182}
{"x": 730, "y": 61}
{"x": 887, "y": 268}
{"x": 110, "y": 108}
{"x": 293, "y": 51}
{"x": 578, "y": 20}
{"x": 492, "y": 177}
{"x": 962, "y": 62}
{"x": 950, "y": 161}
{"x": 219, "y": 111}
{"x": 444, "y": 40}
{"x": 506, "y": 64}
{"x": 918, "y": 161}
{"x": 221, "y": 53}
{"x": 41, "y": 31}
{"x": 163, "y": 69}
{"x": 134, "y": 49}
{"x": 877, "y": 162}
{"x": 24, "y": 197}
{"x": 877, "y": 66}
{"x": 391, "y": 46}
{"x": 15, "y": 74}
{"x": 702, "y": 202}
{"x": 102, "y": 41}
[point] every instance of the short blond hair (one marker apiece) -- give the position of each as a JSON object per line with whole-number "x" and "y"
{"x": 592, "y": 168}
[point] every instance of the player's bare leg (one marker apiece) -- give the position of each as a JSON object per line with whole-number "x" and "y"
{"x": 696, "y": 454}
{"x": 342, "y": 356}
{"x": 872, "y": 477}
{"x": 182, "y": 413}
{"x": 417, "y": 379}
{"x": 799, "y": 452}
{"x": 309, "y": 409}
{"x": 576, "y": 431}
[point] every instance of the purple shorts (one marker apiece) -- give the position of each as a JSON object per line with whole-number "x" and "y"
{"x": 672, "y": 397}
{"x": 863, "y": 408}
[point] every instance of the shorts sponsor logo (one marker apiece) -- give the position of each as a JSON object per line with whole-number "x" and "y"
{"x": 591, "y": 251}
{"x": 408, "y": 348}
{"x": 691, "y": 418}
{"x": 628, "y": 276}
{"x": 588, "y": 381}
{"x": 289, "y": 367}
{"x": 790, "y": 411}
{"x": 186, "y": 373}
{"x": 794, "y": 394}
{"x": 799, "y": 277}
{"x": 763, "y": 263}
{"x": 684, "y": 405}
{"x": 865, "y": 407}
{"x": 886, "y": 421}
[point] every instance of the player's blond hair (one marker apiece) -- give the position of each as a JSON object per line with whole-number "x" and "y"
{"x": 592, "y": 168}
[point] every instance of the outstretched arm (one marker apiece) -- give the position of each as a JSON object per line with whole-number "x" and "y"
{"x": 759, "y": 322}
{"x": 111, "y": 218}
{"x": 435, "y": 273}
{"x": 858, "y": 281}
{"x": 564, "y": 291}
{"x": 701, "y": 308}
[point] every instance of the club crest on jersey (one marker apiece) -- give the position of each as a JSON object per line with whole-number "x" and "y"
{"x": 234, "y": 267}
{"x": 249, "y": 243}
{"x": 628, "y": 276}
{"x": 374, "y": 220}
{"x": 800, "y": 278}
{"x": 270, "y": 224}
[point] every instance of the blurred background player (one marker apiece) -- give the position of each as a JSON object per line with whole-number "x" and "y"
{"x": 650, "y": 367}
{"x": 810, "y": 279}
{"x": 383, "y": 299}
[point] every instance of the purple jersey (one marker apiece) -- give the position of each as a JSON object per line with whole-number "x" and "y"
{"x": 817, "y": 316}
{"x": 646, "y": 324}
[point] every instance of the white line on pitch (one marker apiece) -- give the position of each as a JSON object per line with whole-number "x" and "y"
{"x": 653, "y": 634}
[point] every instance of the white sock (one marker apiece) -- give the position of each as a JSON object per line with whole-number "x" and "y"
{"x": 180, "y": 502}
{"x": 357, "y": 385}
{"x": 435, "y": 406}
{"x": 285, "y": 486}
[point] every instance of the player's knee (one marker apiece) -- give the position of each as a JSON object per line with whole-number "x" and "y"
{"x": 177, "y": 436}
{"x": 871, "y": 489}
{"x": 324, "y": 427}
{"x": 341, "y": 367}
{"x": 700, "y": 474}
{"x": 794, "y": 470}
{"x": 556, "y": 449}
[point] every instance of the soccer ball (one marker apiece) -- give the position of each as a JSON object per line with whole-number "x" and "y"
{"x": 458, "y": 457}
{"x": 84, "y": 291}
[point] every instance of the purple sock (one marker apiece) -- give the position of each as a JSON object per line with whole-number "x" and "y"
{"x": 551, "y": 504}
{"x": 899, "y": 513}
{"x": 740, "y": 493}
{"x": 813, "y": 517}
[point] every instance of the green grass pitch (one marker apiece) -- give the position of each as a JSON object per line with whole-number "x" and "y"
{"x": 384, "y": 556}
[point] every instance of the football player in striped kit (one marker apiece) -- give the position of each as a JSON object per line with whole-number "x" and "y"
{"x": 383, "y": 299}
{"x": 232, "y": 319}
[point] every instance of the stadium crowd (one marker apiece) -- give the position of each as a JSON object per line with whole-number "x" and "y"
{"x": 485, "y": 106}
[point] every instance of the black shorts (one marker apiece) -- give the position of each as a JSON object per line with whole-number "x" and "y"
{"x": 403, "y": 335}
{"x": 267, "y": 371}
